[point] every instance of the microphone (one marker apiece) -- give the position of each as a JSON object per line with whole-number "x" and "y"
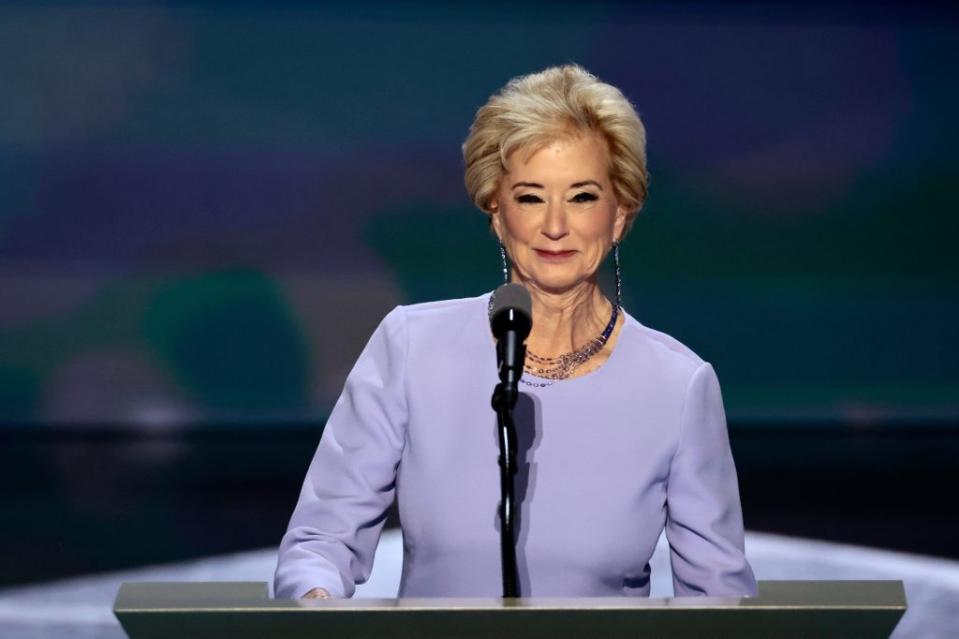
{"x": 511, "y": 318}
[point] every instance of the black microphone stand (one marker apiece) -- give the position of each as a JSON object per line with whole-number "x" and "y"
{"x": 504, "y": 400}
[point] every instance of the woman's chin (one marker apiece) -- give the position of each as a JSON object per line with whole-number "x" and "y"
{"x": 556, "y": 285}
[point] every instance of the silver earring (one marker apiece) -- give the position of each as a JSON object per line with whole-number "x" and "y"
{"x": 619, "y": 279}
{"x": 502, "y": 253}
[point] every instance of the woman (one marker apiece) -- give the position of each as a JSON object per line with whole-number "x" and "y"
{"x": 621, "y": 428}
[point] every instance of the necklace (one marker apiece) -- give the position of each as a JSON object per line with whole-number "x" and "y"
{"x": 562, "y": 367}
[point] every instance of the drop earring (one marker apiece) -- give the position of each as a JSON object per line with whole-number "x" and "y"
{"x": 619, "y": 279}
{"x": 502, "y": 253}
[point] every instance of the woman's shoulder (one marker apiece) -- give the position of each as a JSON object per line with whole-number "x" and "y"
{"x": 656, "y": 347}
{"x": 445, "y": 309}
{"x": 441, "y": 316}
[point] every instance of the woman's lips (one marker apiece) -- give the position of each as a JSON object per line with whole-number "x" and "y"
{"x": 554, "y": 256}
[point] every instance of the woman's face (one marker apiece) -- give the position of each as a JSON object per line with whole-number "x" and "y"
{"x": 556, "y": 212}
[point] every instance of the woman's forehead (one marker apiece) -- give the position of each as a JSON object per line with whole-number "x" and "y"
{"x": 585, "y": 155}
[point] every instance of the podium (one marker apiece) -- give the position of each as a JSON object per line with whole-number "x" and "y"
{"x": 827, "y": 609}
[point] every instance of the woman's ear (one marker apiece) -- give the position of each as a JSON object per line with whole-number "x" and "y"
{"x": 619, "y": 224}
{"x": 495, "y": 221}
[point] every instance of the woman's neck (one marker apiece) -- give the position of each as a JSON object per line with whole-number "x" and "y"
{"x": 565, "y": 321}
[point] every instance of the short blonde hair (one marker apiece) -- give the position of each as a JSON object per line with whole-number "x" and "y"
{"x": 533, "y": 110}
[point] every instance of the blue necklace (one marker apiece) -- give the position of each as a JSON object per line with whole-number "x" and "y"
{"x": 554, "y": 369}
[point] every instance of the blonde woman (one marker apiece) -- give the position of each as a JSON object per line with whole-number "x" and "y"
{"x": 622, "y": 430}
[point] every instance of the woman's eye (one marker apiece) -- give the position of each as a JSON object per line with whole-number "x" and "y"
{"x": 584, "y": 197}
{"x": 528, "y": 199}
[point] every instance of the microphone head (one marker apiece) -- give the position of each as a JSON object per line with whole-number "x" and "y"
{"x": 512, "y": 310}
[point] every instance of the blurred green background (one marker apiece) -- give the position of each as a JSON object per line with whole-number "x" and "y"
{"x": 205, "y": 209}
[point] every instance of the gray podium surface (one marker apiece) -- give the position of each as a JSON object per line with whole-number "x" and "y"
{"x": 855, "y": 609}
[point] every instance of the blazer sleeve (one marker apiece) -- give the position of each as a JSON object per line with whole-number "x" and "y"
{"x": 704, "y": 523}
{"x": 350, "y": 483}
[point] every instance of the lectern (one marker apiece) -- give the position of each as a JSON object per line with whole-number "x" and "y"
{"x": 828, "y": 609}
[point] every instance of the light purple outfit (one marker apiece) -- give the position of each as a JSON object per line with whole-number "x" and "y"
{"x": 607, "y": 460}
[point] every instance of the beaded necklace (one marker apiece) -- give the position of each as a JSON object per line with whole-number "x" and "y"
{"x": 559, "y": 368}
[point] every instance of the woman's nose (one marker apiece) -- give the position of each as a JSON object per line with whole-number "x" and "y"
{"x": 555, "y": 226}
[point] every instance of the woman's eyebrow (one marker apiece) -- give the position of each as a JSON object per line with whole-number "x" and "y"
{"x": 585, "y": 182}
{"x": 575, "y": 185}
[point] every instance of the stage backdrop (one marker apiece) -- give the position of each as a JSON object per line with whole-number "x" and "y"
{"x": 205, "y": 211}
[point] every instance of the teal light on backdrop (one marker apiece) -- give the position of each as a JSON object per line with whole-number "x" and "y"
{"x": 205, "y": 211}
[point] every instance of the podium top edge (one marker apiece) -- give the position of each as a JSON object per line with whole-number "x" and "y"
{"x": 250, "y": 596}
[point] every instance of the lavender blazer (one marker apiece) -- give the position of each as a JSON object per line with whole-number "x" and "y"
{"x": 607, "y": 460}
